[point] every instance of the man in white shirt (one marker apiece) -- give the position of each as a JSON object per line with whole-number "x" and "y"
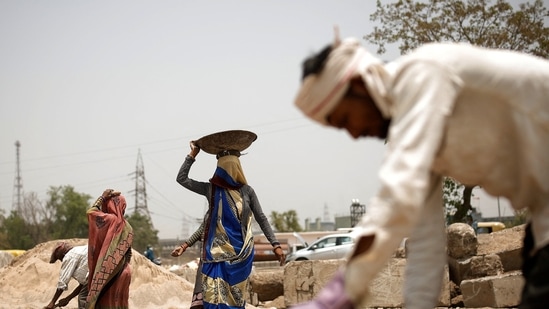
{"x": 477, "y": 115}
{"x": 74, "y": 265}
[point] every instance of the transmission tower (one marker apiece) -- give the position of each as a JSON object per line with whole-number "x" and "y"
{"x": 326, "y": 217}
{"x": 140, "y": 188}
{"x": 17, "y": 197}
{"x": 357, "y": 211}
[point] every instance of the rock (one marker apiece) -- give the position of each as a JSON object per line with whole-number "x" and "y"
{"x": 507, "y": 244}
{"x": 462, "y": 241}
{"x": 457, "y": 301}
{"x": 500, "y": 291}
{"x": 477, "y": 275}
{"x": 276, "y": 303}
{"x": 486, "y": 265}
{"x": 304, "y": 279}
{"x": 474, "y": 267}
{"x": 460, "y": 269}
{"x": 267, "y": 283}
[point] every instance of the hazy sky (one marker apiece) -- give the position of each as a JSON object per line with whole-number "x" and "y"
{"x": 86, "y": 85}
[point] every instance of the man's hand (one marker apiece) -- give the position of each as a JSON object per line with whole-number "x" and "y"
{"x": 63, "y": 302}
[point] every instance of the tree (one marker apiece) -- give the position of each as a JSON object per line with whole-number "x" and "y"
{"x": 286, "y": 221}
{"x": 16, "y": 231}
{"x": 27, "y": 226}
{"x": 457, "y": 203}
{"x": 4, "y": 244}
{"x": 62, "y": 215}
{"x": 68, "y": 209}
{"x": 452, "y": 197}
{"x": 479, "y": 22}
{"x": 143, "y": 232}
{"x": 36, "y": 218}
{"x": 521, "y": 217}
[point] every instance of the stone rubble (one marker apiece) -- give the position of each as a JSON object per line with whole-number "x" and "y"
{"x": 483, "y": 272}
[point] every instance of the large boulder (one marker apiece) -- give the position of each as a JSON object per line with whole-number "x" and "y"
{"x": 268, "y": 283}
{"x": 462, "y": 241}
{"x": 461, "y": 246}
{"x": 304, "y": 279}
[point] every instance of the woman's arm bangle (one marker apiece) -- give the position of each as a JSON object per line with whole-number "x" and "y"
{"x": 99, "y": 202}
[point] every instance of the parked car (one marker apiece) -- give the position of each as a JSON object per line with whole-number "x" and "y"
{"x": 335, "y": 246}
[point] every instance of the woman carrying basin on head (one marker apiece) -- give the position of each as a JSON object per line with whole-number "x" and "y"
{"x": 228, "y": 248}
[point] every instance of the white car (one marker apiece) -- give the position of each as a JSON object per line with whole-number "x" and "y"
{"x": 336, "y": 246}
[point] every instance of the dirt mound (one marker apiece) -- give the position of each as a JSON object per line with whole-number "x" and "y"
{"x": 29, "y": 281}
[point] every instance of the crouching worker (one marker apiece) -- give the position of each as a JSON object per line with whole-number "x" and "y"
{"x": 74, "y": 264}
{"x": 425, "y": 105}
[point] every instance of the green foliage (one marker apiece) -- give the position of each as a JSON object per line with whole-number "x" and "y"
{"x": 62, "y": 216}
{"x": 69, "y": 212}
{"x": 521, "y": 217}
{"x": 144, "y": 233}
{"x": 487, "y": 23}
{"x": 480, "y": 22}
{"x": 286, "y": 221}
{"x": 4, "y": 244}
{"x": 457, "y": 201}
{"x": 16, "y": 231}
{"x": 452, "y": 197}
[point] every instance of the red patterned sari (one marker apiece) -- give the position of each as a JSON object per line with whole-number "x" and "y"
{"x": 109, "y": 253}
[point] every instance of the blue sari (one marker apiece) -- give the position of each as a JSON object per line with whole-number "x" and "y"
{"x": 228, "y": 249}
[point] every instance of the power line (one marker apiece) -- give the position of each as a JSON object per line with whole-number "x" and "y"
{"x": 267, "y": 129}
{"x": 133, "y": 146}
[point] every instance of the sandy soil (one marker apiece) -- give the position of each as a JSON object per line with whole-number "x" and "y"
{"x": 29, "y": 281}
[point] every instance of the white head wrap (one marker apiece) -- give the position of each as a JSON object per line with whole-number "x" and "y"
{"x": 320, "y": 93}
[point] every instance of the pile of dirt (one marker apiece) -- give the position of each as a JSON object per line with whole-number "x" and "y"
{"x": 29, "y": 281}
